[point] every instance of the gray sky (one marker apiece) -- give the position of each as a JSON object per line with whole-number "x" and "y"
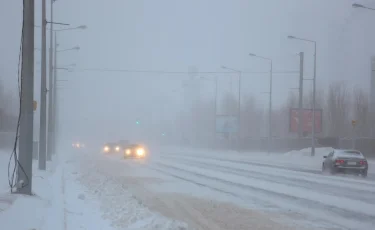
{"x": 171, "y": 35}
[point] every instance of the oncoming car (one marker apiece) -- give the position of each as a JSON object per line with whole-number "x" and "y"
{"x": 78, "y": 145}
{"x": 345, "y": 161}
{"x": 123, "y": 144}
{"x": 135, "y": 151}
{"x": 111, "y": 148}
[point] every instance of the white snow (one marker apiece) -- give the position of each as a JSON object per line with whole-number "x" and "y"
{"x": 69, "y": 198}
{"x": 301, "y": 159}
{"x": 50, "y": 207}
{"x": 118, "y": 204}
{"x": 286, "y": 182}
{"x": 85, "y": 190}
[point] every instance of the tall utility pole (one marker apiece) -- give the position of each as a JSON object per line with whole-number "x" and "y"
{"x": 270, "y": 113}
{"x": 270, "y": 101}
{"x": 50, "y": 147}
{"x": 239, "y": 105}
{"x": 215, "y": 106}
{"x": 239, "y": 97}
{"x": 54, "y": 113}
{"x": 300, "y": 101}
{"x": 43, "y": 92}
{"x": 313, "y": 107}
{"x": 372, "y": 81}
{"x": 24, "y": 173}
{"x": 314, "y": 93}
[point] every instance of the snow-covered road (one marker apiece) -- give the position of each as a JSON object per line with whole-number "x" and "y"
{"x": 217, "y": 191}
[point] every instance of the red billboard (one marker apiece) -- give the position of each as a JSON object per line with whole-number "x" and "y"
{"x": 307, "y": 120}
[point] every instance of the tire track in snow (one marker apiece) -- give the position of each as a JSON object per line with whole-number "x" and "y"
{"x": 352, "y": 218}
{"x": 357, "y": 194}
{"x": 294, "y": 169}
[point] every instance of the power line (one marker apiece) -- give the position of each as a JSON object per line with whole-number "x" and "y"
{"x": 178, "y": 72}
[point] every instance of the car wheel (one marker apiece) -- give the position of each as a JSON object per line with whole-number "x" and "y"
{"x": 332, "y": 170}
{"x": 364, "y": 174}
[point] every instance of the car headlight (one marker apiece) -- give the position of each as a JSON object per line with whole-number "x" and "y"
{"x": 106, "y": 148}
{"x": 117, "y": 148}
{"x": 140, "y": 152}
{"x": 128, "y": 151}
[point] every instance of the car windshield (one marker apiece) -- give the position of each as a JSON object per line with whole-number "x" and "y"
{"x": 349, "y": 153}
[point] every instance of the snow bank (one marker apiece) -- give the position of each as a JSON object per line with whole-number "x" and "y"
{"x": 27, "y": 212}
{"x": 319, "y": 152}
{"x": 4, "y": 159}
{"x": 54, "y": 205}
{"x": 118, "y": 205}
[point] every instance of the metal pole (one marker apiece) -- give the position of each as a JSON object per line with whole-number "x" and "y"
{"x": 231, "y": 84}
{"x": 239, "y": 106}
{"x": 24, "y": 173}
{"x": 313, "y": 109}
{"x": 43, "y": 91}
{"x": 215, "y": 106}
{"x": 51, "y": 90}
{"x": 54, "y": 113}
{"x": 300, "y": 101}
{"x": 353, "y": 137}
{"x": 270, "y": 114}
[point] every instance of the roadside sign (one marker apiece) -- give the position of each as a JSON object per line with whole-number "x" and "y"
{"x": 226, "y": 124}
{"x": 307, "y": 120}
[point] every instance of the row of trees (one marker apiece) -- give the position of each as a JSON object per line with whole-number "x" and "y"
{"x": 340, "y": 104}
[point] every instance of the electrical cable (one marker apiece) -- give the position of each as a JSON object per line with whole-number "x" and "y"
{"x": 177, "y": 72}
{"x": 12, "y": 177}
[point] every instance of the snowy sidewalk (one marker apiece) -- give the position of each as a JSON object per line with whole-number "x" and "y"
{"x": 58, "y": 202}
{"x": 20, "y": 212}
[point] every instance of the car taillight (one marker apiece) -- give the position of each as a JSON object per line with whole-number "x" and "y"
{"x": 340, "y": 161}
{"x": 363, "y": 162}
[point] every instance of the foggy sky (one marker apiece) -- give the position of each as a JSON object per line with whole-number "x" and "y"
{"x": 171, "y": 35}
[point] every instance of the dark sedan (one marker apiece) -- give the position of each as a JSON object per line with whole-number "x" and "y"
{"x": 345, "y": 161}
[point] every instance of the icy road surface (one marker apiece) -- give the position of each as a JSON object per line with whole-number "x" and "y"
{"x": 208, "y": 190}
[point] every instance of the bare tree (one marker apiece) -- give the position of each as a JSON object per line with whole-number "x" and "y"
{"x": 250, "y": 119}
{"x": 281, "y": 117}
{"x": 338, "y": 109}
{"x": 292, "y": 101}
{"x": 361, "y": 112}
{"x": 229, "y": 105}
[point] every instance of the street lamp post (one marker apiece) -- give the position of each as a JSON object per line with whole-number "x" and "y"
{"x": 52, "y": 80}
{"x": 372, "y": 84}
{"x": 43, "y": 91}
{"x": 54, "y": 115}
{"x": 270, "y": 102}
{"x": 215, "y": 103}
{"x": 239, "y": 96}
{"x": 24, "y": 173}
{"x": 314, "y": 94}
{"x": 52, "y": 138}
